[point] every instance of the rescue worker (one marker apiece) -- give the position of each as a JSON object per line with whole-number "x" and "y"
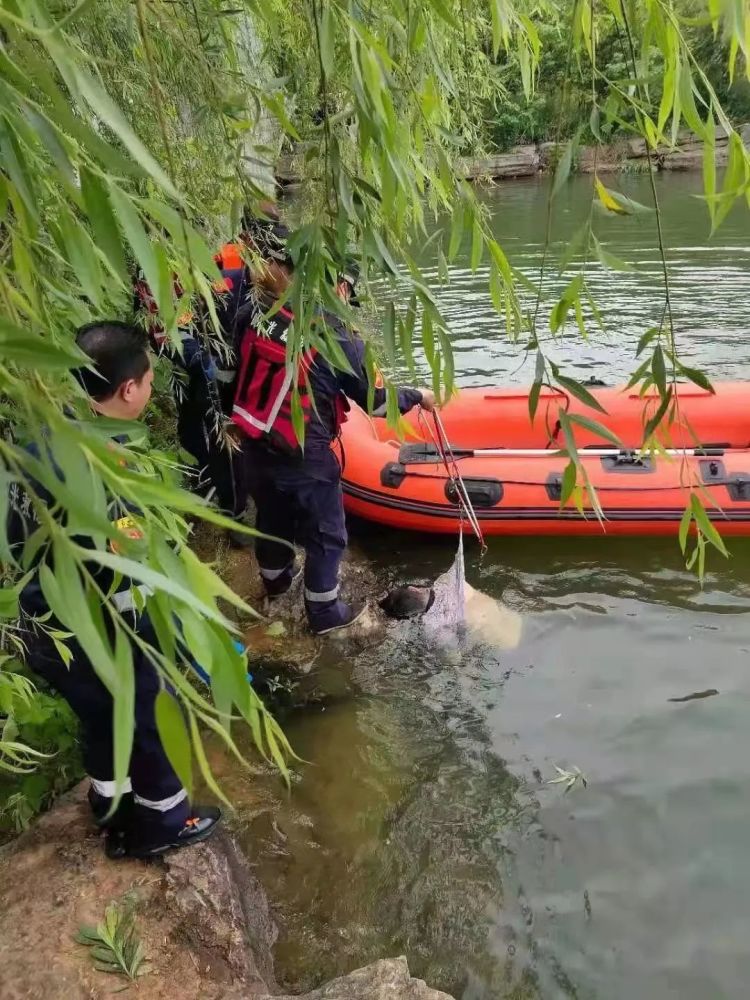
{"x": 346, "y": 287}
{"x": 297, "y": 490}
{"x": 202, "y": 387}
{"x": 154, "y": 814}
{"x": 204, "y": 373}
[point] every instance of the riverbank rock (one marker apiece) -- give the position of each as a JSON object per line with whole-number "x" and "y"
{"x": 388, "y": 979}
{"x": 526, "y": 161}
{"x": 280, "y": 632}
{"x": 520, "y": 161}
{"x": 201, "y": 915}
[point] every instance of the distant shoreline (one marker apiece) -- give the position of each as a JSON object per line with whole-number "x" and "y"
{"x": 624, "y": 155}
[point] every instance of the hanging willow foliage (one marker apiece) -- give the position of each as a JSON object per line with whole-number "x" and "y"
{"x": 129, "y": 132}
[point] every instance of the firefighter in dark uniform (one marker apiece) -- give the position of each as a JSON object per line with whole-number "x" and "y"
{"x": 154, "y": 814}
{"x": 297, "y": 490}
{"x": 204, "y": 372}
{"x": 202, "y": 384}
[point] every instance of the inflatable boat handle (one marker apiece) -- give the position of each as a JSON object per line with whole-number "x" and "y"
{"x": 583, "y": 452}
{"x": 501, "y": 397}
{"x": 692, "y": 394}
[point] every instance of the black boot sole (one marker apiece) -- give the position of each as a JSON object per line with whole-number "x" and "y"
{"x": 143, "y": 854}
{"x": 343, "y": 627}
{"x": 174, "y": 845}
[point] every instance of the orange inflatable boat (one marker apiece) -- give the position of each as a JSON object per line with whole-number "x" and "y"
{"x": 514, "y": 476}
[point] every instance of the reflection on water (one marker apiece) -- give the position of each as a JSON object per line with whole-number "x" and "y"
{"x": 710, "y": 281}
{"x": 424, "y": 822}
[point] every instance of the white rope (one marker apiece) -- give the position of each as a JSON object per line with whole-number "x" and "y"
{"x": 464, "y": 502}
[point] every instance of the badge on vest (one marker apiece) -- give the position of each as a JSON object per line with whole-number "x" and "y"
{"x": 129, "y": 528}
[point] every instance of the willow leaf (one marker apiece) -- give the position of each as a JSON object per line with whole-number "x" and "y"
{"x": 173, "y": 733}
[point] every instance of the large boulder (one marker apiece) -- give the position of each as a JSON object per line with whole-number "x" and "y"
{"x": 689, "y": 158}
{"x": 387, "y": 979}
{"x": 520, "y": 161}
{"x": 201, "y": 915}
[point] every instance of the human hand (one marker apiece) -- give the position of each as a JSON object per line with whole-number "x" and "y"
{"x": 428, "y": 399}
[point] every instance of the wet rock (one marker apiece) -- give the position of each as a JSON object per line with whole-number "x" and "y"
{"x": 599, "y": 159}
{"x": 521, "y": 161}
{"x": 525, "y": 161}
{"x": 549, "y": 154}
{"x": 387, "y": 979}
{"x": 202, "y": 916}
{"x": 282, "y": 634}
{"x": 684, "y": 159}
{"x": 278, "y": 633}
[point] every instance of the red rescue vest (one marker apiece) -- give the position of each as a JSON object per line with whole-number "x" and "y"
{"x": 229, "y": 258}
{"x": 265, "y": 386}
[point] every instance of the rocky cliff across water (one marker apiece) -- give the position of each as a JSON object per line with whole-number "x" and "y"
{"x": 202, "y": 916}
{"x": 533, "y": 158}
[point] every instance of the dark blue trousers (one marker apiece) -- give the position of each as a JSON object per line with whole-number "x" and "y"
{"x": 160, "y": 804}
{"x": 299, "y": 502}
{"x": 217, "y": 466}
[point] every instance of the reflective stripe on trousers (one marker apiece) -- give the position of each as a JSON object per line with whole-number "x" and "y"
{"x": 108, "y": 789}
{"x": 274, "y": 574}
{"x": 125, "y": 600}
{"x": 317, "y": 597}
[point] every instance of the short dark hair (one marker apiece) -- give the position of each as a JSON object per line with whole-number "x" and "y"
{"x": 118, "y": 352}
{"x": 268, "y": 238}
{"x": 266, "y": 209}
{"x": 408, "y": 602}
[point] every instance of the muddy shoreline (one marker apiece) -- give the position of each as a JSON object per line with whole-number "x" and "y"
{"x": 202, "y": 915}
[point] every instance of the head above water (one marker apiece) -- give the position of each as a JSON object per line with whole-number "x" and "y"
{"x": 119, "y": 379}
{"x": 407, "y": 601}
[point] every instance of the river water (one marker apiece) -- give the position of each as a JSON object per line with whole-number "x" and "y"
{"x": 425, "y": 822}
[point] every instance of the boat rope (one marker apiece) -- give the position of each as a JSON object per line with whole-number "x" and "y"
{"x": 542, "y": 483}
{"x": 443, "y": 446}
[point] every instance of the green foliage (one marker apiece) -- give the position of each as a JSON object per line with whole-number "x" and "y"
{"x": 561, "y": 103}
{"x": 61, "y": 262}
{"x": 451, "y": 43}
{"x": 569, "y": 777}
{"x": 129, "y": 134}
{"x": 114, "y": 944}
{"x": 44, "y": 726}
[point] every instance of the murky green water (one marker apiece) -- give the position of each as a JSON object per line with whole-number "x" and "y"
{"x": 424, "y": 823}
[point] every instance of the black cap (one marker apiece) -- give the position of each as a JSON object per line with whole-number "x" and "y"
{"x": 269, "y": 239}
{"x": 350, "y": 274}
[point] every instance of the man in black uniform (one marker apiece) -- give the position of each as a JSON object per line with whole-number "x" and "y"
{"x": 154, "y": 814}
{"x": 297, "y": 487}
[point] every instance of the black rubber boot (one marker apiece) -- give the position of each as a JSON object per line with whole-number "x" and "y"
{"x": 282, "y": 584}
{"x": 100, "y": 806}
{"x": 334, "y": 616}
{"x": 135, "y": 843}
{"x": 239, "y": 540}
